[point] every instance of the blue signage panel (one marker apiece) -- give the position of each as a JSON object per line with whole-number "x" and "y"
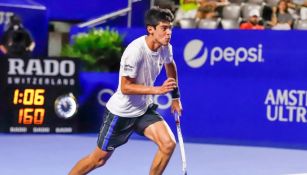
{"x": 82, "y": 10}
{"x": 244, "y": 85}
{"x": 237, "y": 86}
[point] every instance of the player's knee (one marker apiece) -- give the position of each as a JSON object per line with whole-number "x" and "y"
{"x": 100, "y": 163}
{"x": 168, "y": 146}
{"x": 96, "y": 162}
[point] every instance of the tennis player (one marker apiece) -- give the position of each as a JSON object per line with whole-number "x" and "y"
{"x": 131, "y": 108}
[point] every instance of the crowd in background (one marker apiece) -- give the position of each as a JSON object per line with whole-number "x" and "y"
{"x": 240, "y": 14}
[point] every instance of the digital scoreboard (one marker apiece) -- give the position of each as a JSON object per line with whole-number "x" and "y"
{"x": 38, "y": 95}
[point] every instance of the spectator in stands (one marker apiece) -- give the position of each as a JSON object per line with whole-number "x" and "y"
{"x": 253, "y": 21}
{"x": 167, "y": 4}
{"x": 281, "y": 18}
{"x": 294, "y": 7}
{"x": 296, "y": 4}
{"x": 304, "y": 3}
{"x": 210, "y": 9}
{"x": 187, "y": 10}
{"x": 16, "y": 40}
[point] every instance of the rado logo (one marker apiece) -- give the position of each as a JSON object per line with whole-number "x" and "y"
{"x": 38, "y": 67}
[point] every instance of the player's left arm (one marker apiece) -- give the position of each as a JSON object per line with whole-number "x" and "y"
{"x": 171, "y": 71}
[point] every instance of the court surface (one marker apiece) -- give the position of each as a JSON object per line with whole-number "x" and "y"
{"x": 56, "y": 154}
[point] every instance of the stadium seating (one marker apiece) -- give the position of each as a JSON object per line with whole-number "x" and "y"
{"x": 187, "y": 23}
{"x": 301, "y": 25}
{"x": 208, "y": 23}
{"x": 230, "y": 23}
{"x": 231, "y": 11}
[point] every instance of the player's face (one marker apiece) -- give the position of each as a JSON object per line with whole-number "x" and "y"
{"x": 163, "y": 32}
{"x": 254, "y": 20}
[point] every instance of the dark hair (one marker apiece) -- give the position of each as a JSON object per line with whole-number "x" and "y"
{"x": 15, "y": 20}
{"x": 286, "y": 10}
{"x": 156, "y": 15}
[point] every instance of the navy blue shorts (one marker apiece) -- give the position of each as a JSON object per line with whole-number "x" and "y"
{"x": 116, "y": 130}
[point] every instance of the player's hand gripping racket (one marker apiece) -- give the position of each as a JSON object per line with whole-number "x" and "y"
{"x": 181, "y": 145}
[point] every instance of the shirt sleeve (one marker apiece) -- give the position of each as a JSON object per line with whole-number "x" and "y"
{"x": 130, "y": 62}
{"x": 244, "y": 26}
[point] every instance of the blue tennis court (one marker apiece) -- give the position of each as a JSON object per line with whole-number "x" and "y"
{"x": 56, "y": 154}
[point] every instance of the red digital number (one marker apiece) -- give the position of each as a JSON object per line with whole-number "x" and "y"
{"x": 28, "y": 116}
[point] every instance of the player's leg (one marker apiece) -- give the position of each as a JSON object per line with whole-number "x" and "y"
{"x": 94, "y": 160}
{"x": 161, "y": 134}
{"x": 157, "y": 130}
{"x": 115, "y": 131}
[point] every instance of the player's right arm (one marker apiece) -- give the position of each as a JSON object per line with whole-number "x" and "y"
{"x": 129, "y": 87}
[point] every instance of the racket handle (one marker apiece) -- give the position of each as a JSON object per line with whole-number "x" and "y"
{"x": 177, "y": 118}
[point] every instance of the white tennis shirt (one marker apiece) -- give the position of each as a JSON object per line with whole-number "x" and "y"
{"x": 143, "y": 64}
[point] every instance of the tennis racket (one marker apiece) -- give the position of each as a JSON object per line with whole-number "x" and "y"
{"x": 181, "y": 144}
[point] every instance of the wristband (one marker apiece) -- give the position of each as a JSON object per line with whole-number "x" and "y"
{"x": 175, "y": 93}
